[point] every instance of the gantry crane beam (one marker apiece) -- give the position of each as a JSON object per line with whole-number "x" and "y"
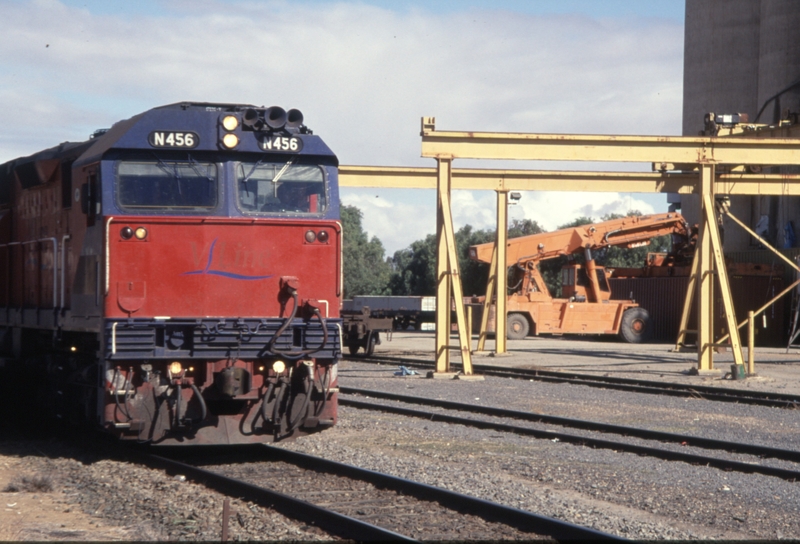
{"x": 605, "y": 148}
{"x": 480, "y": 179}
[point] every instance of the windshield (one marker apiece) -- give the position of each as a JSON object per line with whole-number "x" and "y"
{"x": 281, "y": 188}
{"x": 167, "y": 185}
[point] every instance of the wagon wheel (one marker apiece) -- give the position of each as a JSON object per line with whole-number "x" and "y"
{"x": 370, "y": 348}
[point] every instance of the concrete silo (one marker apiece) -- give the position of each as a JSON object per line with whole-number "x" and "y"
{"x": 737, "y": 55}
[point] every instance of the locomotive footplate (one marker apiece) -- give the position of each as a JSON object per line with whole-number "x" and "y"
{"x": 219, "y": 338}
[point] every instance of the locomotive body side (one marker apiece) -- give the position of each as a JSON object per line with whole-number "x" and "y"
{"x": 177, "y": 278}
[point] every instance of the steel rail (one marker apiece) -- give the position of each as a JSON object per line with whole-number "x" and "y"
{"x": 336, "y": 524}
{"x": 689, "y": 440}
{"x": 719, "y": 394}
{"x": 716, "y": 394}
{"x": 491, "y": 511}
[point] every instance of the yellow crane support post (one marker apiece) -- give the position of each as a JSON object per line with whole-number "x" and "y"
{"x": 704, "y": 154}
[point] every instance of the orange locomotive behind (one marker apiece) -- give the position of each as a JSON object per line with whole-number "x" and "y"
{"x": 176, "y": 279}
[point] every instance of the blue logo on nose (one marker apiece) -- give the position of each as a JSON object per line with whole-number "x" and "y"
{"x": 207, "y": 269}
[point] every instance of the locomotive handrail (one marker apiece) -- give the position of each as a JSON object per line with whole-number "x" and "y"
{"x": 8, "y": 280}
{"x": 108, "y": 261}
{"x": 55, "y": 253}
{"x": 63, "y": 265}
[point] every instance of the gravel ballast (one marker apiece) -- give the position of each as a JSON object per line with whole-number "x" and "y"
{"x": 620, "y": 493}
{"x": 625, "y": 494}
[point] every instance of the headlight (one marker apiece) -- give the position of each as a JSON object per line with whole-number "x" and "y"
{"x": 230, "y": 122}
{"x": 278, "y": 367}
{"x": 230, "y": 141}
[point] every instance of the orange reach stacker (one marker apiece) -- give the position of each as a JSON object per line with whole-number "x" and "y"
{"x": 586, "y": 306}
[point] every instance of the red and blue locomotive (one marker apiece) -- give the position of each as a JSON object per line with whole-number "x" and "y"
{"x": 176, "y": 279}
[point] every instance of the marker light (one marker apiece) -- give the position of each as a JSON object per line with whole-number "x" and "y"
{"x": 230, "y": 122}
{"x": 141, "y": 233}
{"x": 126, "y": 233}
{"x": 230, "y": 141}
{"x": 322, "y": 236}
{"x": 310, "y": 236}
{"x": 278, "y": 367}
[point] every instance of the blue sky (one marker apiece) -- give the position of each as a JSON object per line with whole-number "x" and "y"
{"x": 363, "y": 73}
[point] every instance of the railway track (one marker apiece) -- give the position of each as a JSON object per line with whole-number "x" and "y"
{"x": 791, "y": 474}
{"x": 397, "y": 503}
{"x": 719, "y": 394}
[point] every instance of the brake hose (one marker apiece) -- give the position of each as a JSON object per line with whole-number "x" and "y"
{"x": 264, "y": 403}
{"x": 294, "y": 424}
{"x": 203, "y": 408}
{"x": 324, "y": 390}
{"x": 276, "y": 409}
{"x": 177, "y": 405}
{"x": 116, "y": 396}
{"x": 285, "y": 325}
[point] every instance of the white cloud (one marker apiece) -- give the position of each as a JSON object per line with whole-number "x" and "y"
{"x": 362, "y": 75}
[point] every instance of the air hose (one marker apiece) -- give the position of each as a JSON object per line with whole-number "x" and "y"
{"x": 282, "y": 328}
{"x": 296, "y": 422}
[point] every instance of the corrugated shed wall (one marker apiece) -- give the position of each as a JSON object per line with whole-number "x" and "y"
{"x": 663, "y": 299}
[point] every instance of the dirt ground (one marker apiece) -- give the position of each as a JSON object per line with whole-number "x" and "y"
{"x": 38, "y": 514}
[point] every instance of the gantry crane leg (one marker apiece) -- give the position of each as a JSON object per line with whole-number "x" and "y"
{"x": 501, "y": 274}
{"x": 449, "y": 281}
{"x": 487, "y": 303}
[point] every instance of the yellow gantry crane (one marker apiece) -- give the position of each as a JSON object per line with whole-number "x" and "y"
{"x": 711, "y": 167}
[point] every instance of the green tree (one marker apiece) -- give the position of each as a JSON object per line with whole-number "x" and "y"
{"x": 366, "y": 272}
{"x": 415, "y": 267}
{"x": 474, "y": 275}
{"x": 622, "y": 257}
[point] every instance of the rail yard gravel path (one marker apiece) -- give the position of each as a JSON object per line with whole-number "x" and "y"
{"x": 624, "y": 494}
{"x": 95, "y": 498}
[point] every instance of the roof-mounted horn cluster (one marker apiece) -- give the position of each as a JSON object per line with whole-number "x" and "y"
{"x": 275, "y": 129}
{"x": 274, "y": 119}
